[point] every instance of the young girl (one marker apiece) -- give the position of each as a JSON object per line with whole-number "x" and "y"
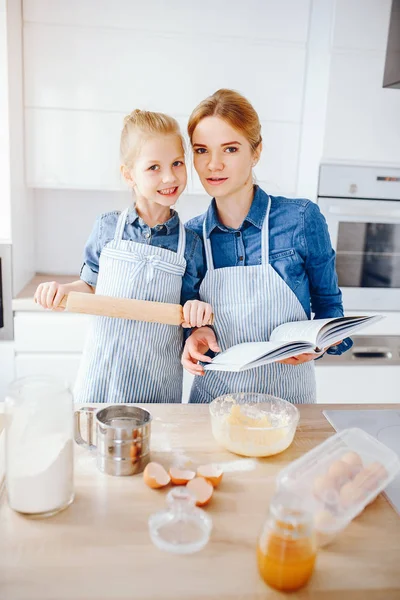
{"x": 269, "y": 260}
{"x": 143, "y": 253}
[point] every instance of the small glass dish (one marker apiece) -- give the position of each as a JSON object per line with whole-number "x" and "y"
{"x": 182, "y": 528}
{"x": 255, "y": 425}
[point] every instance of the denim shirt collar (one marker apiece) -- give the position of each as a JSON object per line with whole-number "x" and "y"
{"x": 170, "y": 225}
{"x": 255, "y": 216}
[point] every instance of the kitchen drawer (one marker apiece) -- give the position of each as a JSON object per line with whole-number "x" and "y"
{"x": 48, "y": 331}
{"x": 63, "y": 366}
{"x": 361, "y": 384}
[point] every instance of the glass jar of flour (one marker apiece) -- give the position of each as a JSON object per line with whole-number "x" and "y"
{"x": 39, "y": 447}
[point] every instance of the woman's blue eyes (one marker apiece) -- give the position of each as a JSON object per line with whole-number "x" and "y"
{"x": 228, "y": 150}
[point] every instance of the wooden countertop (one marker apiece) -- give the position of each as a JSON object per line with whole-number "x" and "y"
{"x": 100, "y": 549}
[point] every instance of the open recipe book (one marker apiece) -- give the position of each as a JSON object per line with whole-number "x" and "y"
{"x": 289, "y": 339}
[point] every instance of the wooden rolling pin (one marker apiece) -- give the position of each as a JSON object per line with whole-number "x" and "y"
{"x": 125, "y": 308}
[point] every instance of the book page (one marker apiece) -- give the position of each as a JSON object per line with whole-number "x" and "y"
{"x": 299, "y": 330}
{"x": 252, "y": 354}
{"x": 343, "y": 328}
{"x": 242, "y": 354}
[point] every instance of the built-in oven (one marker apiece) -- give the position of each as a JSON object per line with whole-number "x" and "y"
{"x": 362, "y": 207}
{"x": 6, "y": 314}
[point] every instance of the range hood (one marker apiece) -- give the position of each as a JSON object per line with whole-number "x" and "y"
{"x": 391, "y": 78}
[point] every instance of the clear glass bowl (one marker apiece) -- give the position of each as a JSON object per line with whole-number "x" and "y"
{"x": 256, "y": 425}
{"x": 182, "y": 528}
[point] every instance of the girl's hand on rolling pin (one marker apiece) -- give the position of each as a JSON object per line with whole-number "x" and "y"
{"x": 50, "y": 294}
{"x": 196, "y": 346}
{"x": 196, "y": 313}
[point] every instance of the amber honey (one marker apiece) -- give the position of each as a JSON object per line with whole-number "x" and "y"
{"x": 286, "y": 550}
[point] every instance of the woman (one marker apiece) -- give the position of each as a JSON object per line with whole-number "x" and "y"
{"x": 268, "y": 260}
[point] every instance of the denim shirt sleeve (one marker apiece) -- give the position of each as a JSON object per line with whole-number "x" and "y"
{"x": 90, "y": 267}
{"x": 326, "y": 297}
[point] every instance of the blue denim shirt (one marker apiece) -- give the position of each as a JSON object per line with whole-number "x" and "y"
{"x": 300, "y": 250}
{"x": 164, "y": 235}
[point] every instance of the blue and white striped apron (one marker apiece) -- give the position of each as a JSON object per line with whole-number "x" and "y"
{"x": 134, "y": 361}
{"x": 248, "y": 303}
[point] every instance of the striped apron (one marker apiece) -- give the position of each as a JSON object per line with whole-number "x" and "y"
{"x": 248, "y": 303}
{"x": 134, "y": 361}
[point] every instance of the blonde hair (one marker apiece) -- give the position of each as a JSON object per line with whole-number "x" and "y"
{"x": 233, "y": 108}
{"x": 139, "y": 125}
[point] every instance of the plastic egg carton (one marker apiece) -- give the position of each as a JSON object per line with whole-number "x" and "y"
{"x": 339, "y": 478}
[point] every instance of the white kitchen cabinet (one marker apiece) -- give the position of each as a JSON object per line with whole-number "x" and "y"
{"x": 358, "y": 384}
{"x": 7, "y": 367}
{"x": 50, "y": 332}
{"x": 48, "y": 343}
{"x": 68, "y": 98}
{"x": 64, "y": 366}
{"x": 65, "y": 66}
{"x": 88, "y": 134}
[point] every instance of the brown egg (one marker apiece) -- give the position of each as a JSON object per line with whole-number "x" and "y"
{"x": 324, "y": 522}
{"x": 181, "y": 476}
{"x": 354, "y": 460}
{"x": 339, "y": 473}
{"x": 323, "y": 486}
{"x": 155, "y": 476}
{"x": 201, "y": 489}
{"x": 378, "y": 471}
{"x": 324, "y": 519}
{"x": 350, "y": 494}
{"x": 365, "y": 481}
{"x": 212, "y": 473}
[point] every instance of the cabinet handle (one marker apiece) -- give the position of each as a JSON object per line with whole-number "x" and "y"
{"x": 368, "y": 354}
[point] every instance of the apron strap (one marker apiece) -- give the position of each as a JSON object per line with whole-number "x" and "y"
{"x": 264, "y": 241}
{"x": 207, "y": 246}
{"x": 181, "y": 240}
{"x": 120, "y": 225}
{"x": 265, "y": 236}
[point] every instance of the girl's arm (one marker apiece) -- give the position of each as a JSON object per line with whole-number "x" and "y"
{"x": 50, "y": 293}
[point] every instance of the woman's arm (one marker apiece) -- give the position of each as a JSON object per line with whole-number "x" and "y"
{"x": 91, "y": 256}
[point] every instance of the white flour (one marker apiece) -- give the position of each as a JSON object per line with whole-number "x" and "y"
{"x": 40, "y": 479}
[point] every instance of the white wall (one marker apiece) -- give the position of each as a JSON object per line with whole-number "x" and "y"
{"x": 312, "y": 68}
{"x": 21, "y": 198}
{"x": 5, "y": 205}
{"x": 64, "y": 219}
{"x": 363, "y": 118}
{"x": 90, "y": 62}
